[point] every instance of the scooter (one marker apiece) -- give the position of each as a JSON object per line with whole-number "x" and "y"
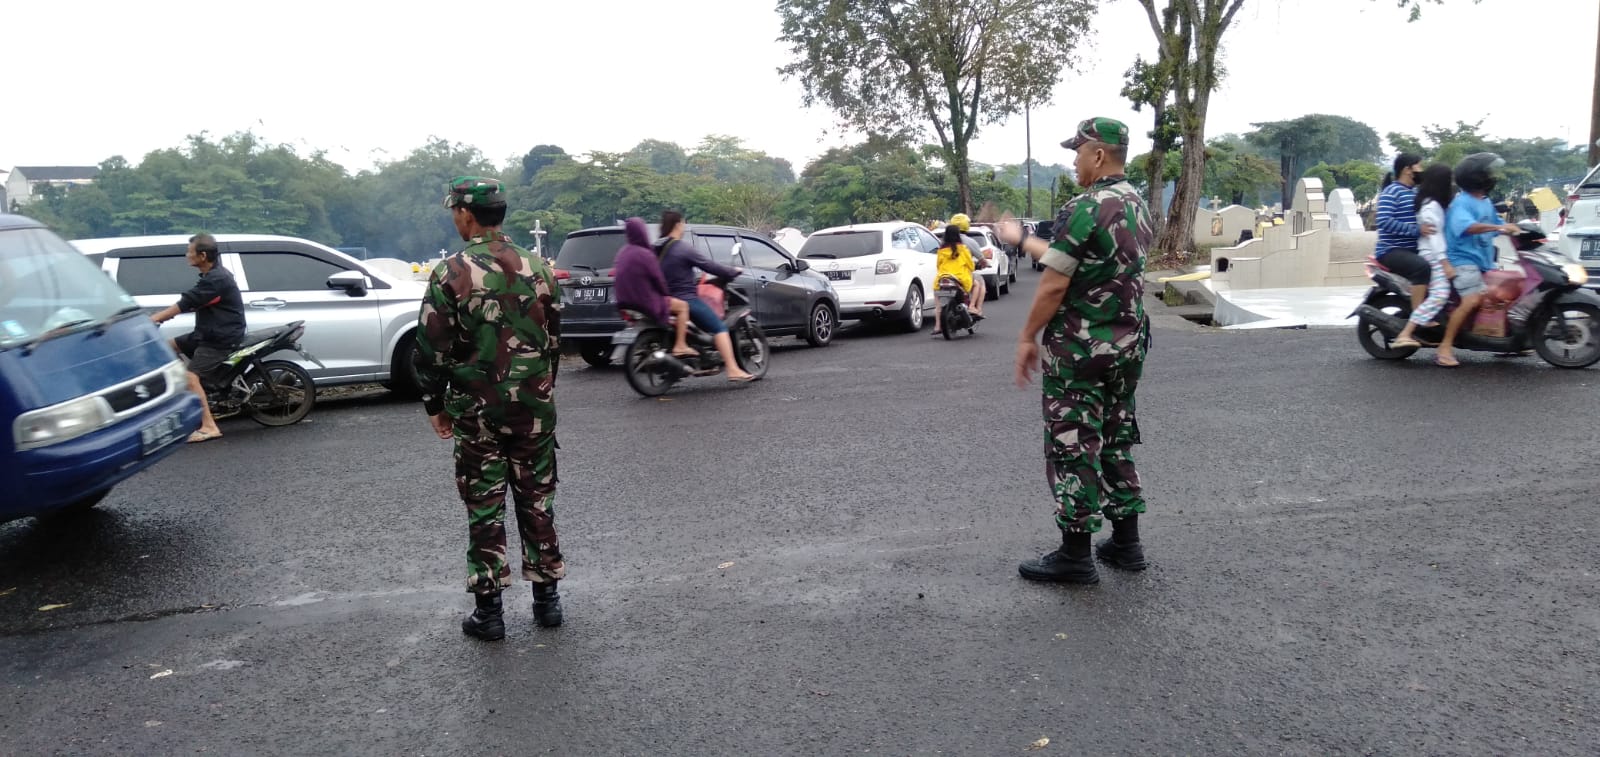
{"x": 953, "y": 313}
{"x": 1540, "y": 304}
{"x": 644, "y": 348}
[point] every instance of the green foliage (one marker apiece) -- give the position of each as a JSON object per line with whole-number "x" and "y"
{"x": 1237, "y": 173}
{"x": 915, "y": 65}
{"x": 1360, "y": 177}
{"x": 1530, "y": 163}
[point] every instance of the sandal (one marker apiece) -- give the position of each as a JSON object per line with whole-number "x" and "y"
{"x": 1400, "y": 344}
{"x": 201, "y": 436}
{"x": 1442, "y": 364}
{"x": 688, "y": 353}
{"x": 741, "y": 379}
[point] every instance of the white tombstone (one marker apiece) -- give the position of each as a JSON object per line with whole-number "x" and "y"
{"x": 1344, "y": 212}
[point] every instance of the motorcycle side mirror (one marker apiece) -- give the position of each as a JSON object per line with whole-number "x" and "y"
{"x": 353, "y": 283}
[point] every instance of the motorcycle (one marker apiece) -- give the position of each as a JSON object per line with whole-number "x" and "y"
{"x": 271, "y": 392}
{"x": 644, "y": 348}
{"x": 953, "y": 313}
{"x": 1540, "y": 304}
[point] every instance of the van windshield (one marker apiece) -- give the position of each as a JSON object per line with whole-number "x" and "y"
{"x": 48, "y": 287}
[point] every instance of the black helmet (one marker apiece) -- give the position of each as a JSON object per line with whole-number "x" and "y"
{"x": 1479, "y": 172}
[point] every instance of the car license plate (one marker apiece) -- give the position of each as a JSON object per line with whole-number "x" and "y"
{"x": 839, "y": 275}
{"x": 1589, "y": 248}
{"x": 164, "y": 431}
{"x": 591, "y": 294}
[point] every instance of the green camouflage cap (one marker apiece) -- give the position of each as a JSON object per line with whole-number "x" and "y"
{"x": 1107, "y": 130}
{"x": 476, "y": 191}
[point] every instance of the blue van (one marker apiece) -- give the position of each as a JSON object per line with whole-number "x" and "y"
{"x": 89, "y": 391}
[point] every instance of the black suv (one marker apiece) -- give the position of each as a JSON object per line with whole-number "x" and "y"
{"x": 789, "y": 298}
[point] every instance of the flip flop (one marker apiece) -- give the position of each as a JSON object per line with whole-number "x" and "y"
{"x": 1400, "y": 344}
{"x": 201, "y": 436}
{"x": 690, "y": 353}
{"x": 741, "y": 380}
{"x": 1442, "y": 364}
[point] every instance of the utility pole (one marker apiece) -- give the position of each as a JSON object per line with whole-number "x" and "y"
{"x": 1027, "y": 128}
{"x": 1594, "y": 108}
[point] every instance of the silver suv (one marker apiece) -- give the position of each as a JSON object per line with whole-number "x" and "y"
{"x": 360, "y": 323}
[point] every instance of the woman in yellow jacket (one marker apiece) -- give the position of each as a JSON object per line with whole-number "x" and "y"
{"x": 955, "y": 261}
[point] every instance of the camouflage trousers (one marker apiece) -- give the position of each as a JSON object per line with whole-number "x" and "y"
{"x": 1090, "y": 431}
{"x": 487, "y": 460}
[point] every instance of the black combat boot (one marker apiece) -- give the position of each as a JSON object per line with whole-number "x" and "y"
{"x": 1122, "y": 550}
{"x": 487, "y": 622}
{"x": 1071, "y": 564}
{"x": 546, "y": 605}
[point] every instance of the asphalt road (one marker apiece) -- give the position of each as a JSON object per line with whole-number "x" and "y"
{"x": 1349, "y": 557}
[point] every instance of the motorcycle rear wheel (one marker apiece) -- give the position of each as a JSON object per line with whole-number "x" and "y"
{"x": 1373, "y": 340}
{"x": 647, "y": 379}
{"x": 284, "y": 395}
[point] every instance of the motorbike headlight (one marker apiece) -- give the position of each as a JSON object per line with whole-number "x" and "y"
{"x": 59, "y": 423}
{"x": 887, "y": 266}
{"x": 1575, "y": 273}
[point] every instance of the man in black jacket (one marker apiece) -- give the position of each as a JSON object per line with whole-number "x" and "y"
{"x": 218, "y": 326}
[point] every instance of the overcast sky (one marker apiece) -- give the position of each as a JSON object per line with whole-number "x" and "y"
{"x": 370, "y": 81}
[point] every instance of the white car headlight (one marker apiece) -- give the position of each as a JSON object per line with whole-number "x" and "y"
{"x": 887, "y": 266}
{"x": 59, "y": 423}
{"x": 1575, "y": 273}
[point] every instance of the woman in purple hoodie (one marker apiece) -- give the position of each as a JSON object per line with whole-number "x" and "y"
{"x": 640, "y": 285}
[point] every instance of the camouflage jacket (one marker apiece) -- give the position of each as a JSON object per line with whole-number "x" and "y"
{"x": 489, "y": 338}
{"x": 1101, "y": 238}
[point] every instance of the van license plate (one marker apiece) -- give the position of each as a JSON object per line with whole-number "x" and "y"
{"x": 164, "y": 431}
{"x": 1589, "y": 248}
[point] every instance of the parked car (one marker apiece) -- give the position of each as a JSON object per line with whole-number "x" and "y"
{"x": 1580, "y": 235}
{"x": 360, "y": 323}
{"x": 89, "y": 391}
{"x": 789, "y": 298}
{"x": 880, "y": 270}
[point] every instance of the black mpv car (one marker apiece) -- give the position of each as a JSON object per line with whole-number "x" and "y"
{"x": 789, "y": 298}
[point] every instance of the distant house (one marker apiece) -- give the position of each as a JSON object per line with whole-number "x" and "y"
{"x": 25, "y": 182}
{"x": 5, "y": 207}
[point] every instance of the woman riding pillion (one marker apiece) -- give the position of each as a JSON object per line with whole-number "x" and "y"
{"x": 955, "y": 263}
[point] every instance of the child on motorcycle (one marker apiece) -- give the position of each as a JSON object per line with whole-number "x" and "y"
{"x": 955, "y": 262}
{"x": 1433, "y": 198}
{"x": 1469, "y": 226}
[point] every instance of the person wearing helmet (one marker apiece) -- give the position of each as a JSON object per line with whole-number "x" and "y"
{"x": 955, "y": 262}
{"x": 1469, "y": 228}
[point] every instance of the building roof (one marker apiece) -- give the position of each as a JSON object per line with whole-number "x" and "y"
{"x": 58, "y": 173}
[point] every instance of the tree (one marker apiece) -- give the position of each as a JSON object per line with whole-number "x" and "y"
{"x": 1139, "y": 172}
{"x": 660, "y": 156}
{"x": 1188, "y": 37}
{"x": 536, "y": 159}
{"x": 1235, "y": 171}
{"x": 909, "y": 65}
{"x": 1360, "y": 177}
{"x": 1312, "y": 139}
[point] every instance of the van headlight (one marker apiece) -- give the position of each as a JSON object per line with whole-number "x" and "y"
{"x": 1575, "y": 273}
{"x": 59, "y": 423}
{"x": 177, "y": 375}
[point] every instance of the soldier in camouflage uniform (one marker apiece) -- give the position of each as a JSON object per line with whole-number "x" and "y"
{"x": 486, "y": 361}
{"x": 1089, "y": 307}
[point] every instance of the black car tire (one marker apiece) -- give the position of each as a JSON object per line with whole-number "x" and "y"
{"x": 991, "y": 292}
{"x": 403, "y": 371}
{"x": 822, "y": 324}
{"x": 596, "y": 353}
{"x": 911, "y": 313}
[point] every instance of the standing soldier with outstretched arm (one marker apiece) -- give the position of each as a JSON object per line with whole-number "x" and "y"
{"x": 1089, "y": 307}
{"x": 486, "y": 360}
